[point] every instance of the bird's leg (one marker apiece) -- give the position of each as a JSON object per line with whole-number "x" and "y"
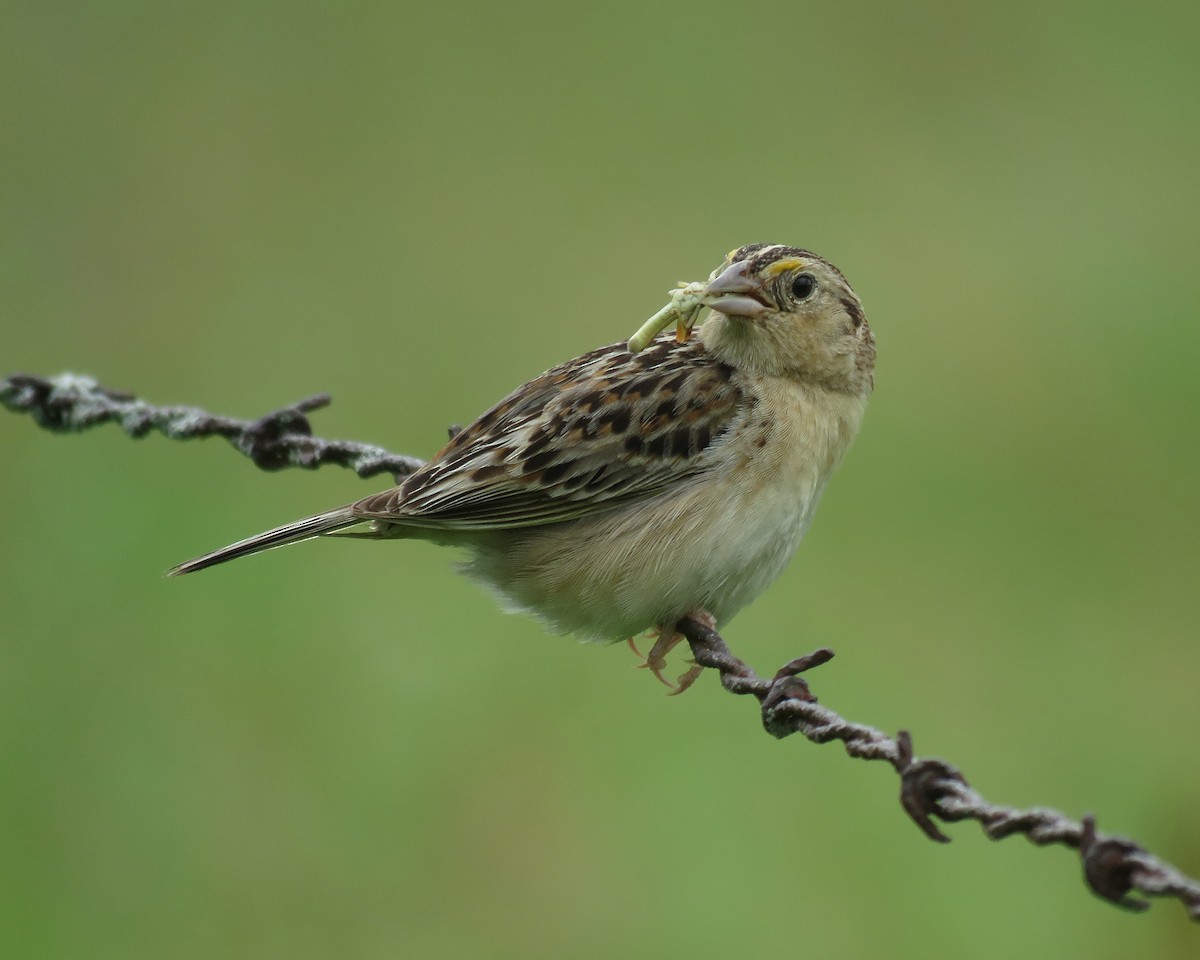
{"x": 667, "y": 640}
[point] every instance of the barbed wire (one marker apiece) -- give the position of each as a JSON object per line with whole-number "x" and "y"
{"x": 930, "y": 788}
{"x": 1112, "y": 866}
{"x": 71, "y": 403}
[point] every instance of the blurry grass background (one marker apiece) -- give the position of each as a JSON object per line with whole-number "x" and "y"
{"x": 344, "y": 750}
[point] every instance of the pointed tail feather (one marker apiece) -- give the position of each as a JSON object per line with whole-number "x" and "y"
{"x": 320, "y": 525}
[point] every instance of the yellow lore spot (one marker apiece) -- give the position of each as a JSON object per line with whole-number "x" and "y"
{"x": 782, "y": 266}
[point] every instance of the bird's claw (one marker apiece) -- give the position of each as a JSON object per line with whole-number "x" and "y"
{"x": 687, "y": 678}
{"x": 655, "y": 661}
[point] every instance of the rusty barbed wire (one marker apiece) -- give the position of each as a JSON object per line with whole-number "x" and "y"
{"x": 930, "y": 788}
{"x": 1112, "y": 866}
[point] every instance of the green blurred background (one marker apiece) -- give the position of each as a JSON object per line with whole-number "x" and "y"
{"x": 344, "y": 750}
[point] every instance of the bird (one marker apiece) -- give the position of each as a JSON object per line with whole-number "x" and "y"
{"x": 620, "y": 492}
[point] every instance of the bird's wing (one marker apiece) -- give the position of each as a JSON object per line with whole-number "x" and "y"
{"x": 606, "y": 429}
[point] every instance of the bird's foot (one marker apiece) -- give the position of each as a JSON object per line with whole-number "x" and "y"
{"x": 656, "y": 660}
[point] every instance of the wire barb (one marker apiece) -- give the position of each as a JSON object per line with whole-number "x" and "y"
{"x": 929, "y": 788}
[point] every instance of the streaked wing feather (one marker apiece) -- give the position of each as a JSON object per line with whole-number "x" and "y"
{"x": 605, "y": 429}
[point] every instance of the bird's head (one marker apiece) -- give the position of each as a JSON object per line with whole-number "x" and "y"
{"x": 783, "y": 311}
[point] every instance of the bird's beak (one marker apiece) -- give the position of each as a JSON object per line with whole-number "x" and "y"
{"x": 735, "y": 292}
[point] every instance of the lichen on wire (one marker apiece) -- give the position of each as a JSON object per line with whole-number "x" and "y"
{"x": 1113, "y": 867}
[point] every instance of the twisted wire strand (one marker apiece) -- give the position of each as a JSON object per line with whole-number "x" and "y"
{"x": 929, "y": 788}
{"x": 71, "y": 403}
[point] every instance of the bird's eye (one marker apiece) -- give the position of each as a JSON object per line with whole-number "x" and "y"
{"x": 803, "y": 286}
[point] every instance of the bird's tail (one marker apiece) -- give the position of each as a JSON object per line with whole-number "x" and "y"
{"x": 321, "y": 525}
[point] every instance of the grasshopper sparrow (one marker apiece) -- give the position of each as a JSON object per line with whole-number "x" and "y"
{"x": 619, "y": 491}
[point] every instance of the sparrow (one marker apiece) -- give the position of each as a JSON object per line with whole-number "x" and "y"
{"x": 620, "y": 492}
